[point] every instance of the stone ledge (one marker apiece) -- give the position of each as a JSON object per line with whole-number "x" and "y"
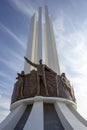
{"x": 44, "y": 99}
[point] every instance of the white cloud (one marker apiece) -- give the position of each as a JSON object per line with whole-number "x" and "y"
{"x": 5, "y": 105}
{"x": 13, "y": 35}
{"x": 16, "y": 55}
{"x": 15, "y": 65}
{"x": 3, "y": 74}
{"x": 23, "y": 6}
{"x": 14, "y": 61}
{"x": 0, "y": 96}
{"x": 5, "y": 102}
{"x": 6, "y": 76}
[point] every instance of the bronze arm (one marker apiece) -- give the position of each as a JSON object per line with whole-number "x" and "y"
{"x": 49, "y": 69}
{"x": 31, "y": 63}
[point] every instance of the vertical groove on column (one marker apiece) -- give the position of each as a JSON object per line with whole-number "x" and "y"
{"x": 22, "y": 121}
{"x": 51, "y": 120}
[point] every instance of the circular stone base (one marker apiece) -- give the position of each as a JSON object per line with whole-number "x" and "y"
{"x": 43, "y": 99}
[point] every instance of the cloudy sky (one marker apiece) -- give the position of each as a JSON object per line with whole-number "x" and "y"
{"x": 70, "y": 28}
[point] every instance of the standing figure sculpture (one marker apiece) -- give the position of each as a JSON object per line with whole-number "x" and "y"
{"x": 41, "y": 68}
{"x": 21, "y": 80}
{"x": 66, "y": 83}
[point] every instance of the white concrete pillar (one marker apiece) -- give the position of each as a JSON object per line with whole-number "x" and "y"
{"x": 31, "y": 44}
{"x": 38, "y": 42}
{"x": 68, "y": 119}
{"x": 35, "y": 120}
{"x": 12, "y": 119}
{"x": 48, "y": 40}
{"x": 39, "y": 34}
{"x": 55, "y": 54}
{"x": 36, "y": 45}
{"x": 50, "y": 45}
{"x": 46, "y": 46}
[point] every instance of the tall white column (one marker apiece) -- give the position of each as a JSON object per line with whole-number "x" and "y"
{"x": 48, "y": 40}
{"x": 31, "y": 44}
{"x": 46, "y": 46}
{"x": 56, "y": 61}
{"x": 36, "y": 45}
{"x": 38, "y": 42}
{"x": 50, "y": 45}
{"x": 39, "y": 34}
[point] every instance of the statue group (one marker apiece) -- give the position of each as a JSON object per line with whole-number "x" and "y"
{"x": 43, "y": 81}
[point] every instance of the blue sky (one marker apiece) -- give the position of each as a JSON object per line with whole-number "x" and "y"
{"x": 70, "y": 28}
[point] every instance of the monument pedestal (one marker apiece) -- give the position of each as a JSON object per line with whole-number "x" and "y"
{"x": 41, "y": 112}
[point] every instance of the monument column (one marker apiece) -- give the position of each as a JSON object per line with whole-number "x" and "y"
{"x": 51, "y": 57}
{"x": 34, "y": 46}
{"x": 39, "y": 43}
{"x": 31, "y": 44}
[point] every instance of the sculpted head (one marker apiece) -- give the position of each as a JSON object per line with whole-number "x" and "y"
{"x": 22, "y": 72}
{"x": 40, "y": 61}
{"x": 63, "y": 74}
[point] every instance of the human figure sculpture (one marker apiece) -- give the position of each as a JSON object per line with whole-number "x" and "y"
{"x": 40, "y": 74}
{"x": 66, "y": 83}
{"x": 21, "y": 80}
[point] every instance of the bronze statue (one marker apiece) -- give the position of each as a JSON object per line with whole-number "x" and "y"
{"x": 40, "y": 74}
{"x": 21, "y": 82}
{"x": 44, "y": 82}
{"x": 66, "y": 83}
